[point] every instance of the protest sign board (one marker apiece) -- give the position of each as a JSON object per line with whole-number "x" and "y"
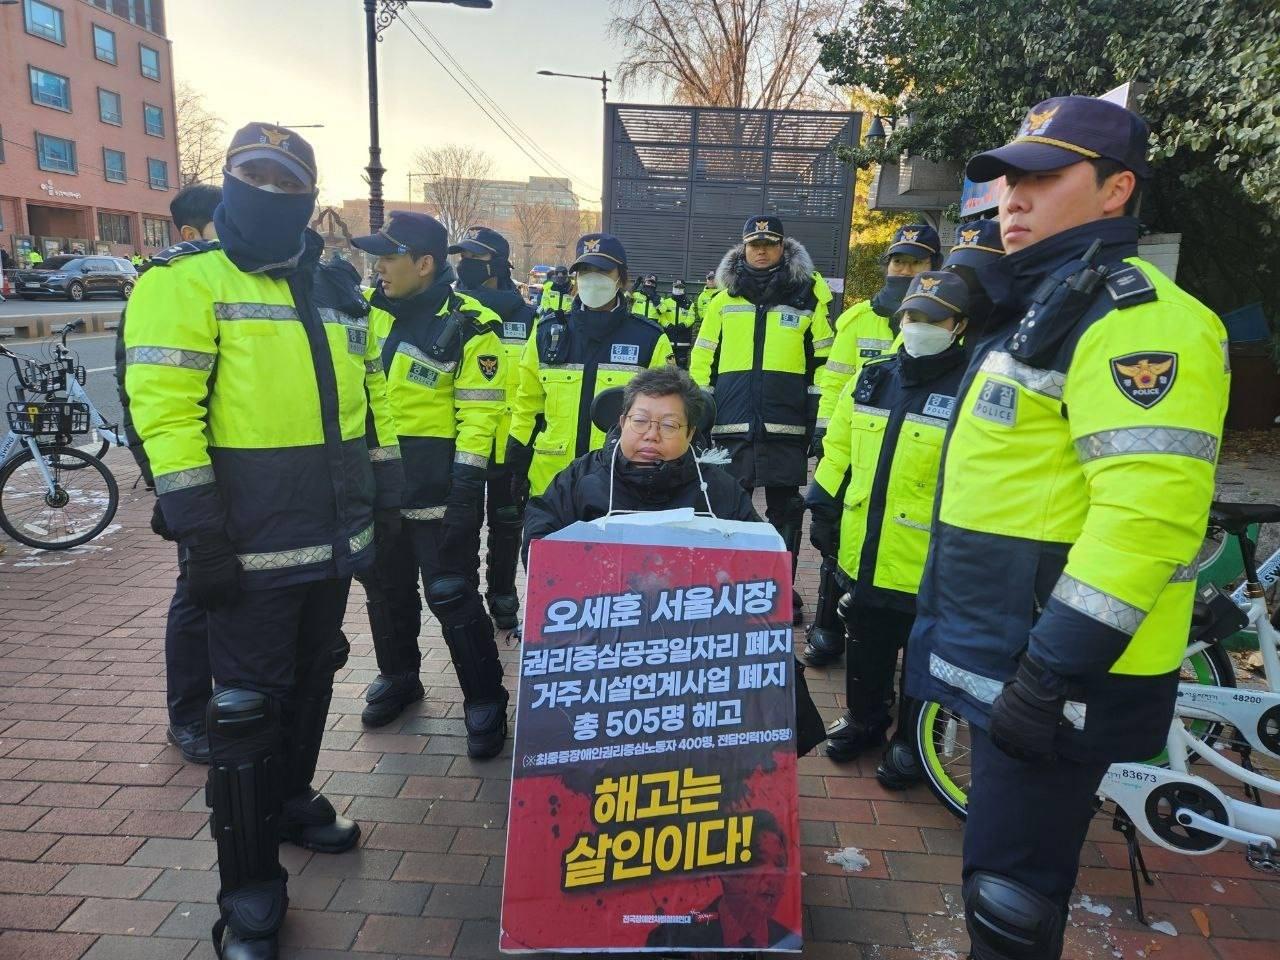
{"x": 654, "y": 799}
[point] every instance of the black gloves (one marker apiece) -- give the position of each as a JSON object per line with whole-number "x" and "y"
{"x": 824, "y": 534}
{"x": 213, "y": 570}
{"x": 158, "y": 526}
{"x": 815, "y": 443}
{"x": 386, "y": 525}
{"x": 462, "y": 512}
{"x": 520, "y": 489}
{"x": 519, "y": 457}
{"x": 1026, "y": 715}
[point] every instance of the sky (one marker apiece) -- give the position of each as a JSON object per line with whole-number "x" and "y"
{"x": 303, "y": 62}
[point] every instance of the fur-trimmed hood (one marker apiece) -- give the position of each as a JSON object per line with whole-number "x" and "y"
{"x": 799, "y": 266}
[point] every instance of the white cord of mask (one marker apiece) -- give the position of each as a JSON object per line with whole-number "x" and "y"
{"x": 702, "y": 485}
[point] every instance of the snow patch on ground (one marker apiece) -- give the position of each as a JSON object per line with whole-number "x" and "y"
{"x": 850, "y": 859}
{"x": 1086, "y": 904}
{"x": 1165, "y": 927}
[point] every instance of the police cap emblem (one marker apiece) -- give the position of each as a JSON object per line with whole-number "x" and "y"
{"x": 1038, "y": 123}
{"x": 591, "y": 246}
{"x": 1145, "y": 378}
{"x": 927, "y": 284}
{"x": 909, "y": 236}
{"x": 276, "y": 137}
{"x": 762, "y": 226}
{"x": 969, "y": 236}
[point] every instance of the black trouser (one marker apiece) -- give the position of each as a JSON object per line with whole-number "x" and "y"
{"x": 504, "y": 530}
{"x": 188, "y": 679}
{"x": 281, "y": 643}
{"x": 784, "y": 509}
{"x": 393, "y": 587}
{"x": 1027, "y": 821}
{"x": 870, "y": 658}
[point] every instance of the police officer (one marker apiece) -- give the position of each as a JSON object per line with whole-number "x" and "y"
{"x": 188, "y": 682}
{"x": 872, "y": 502}
{"x": 646, "y": 301}
{"x": 484, "y": 273}
{"x": 442, "y": 357}
{"x": 705, "y": 296}
{"x": 761, "y": 346}
{"x": 271, "y": 476}
{"x": 572, "y": 357}
{"x": 557, "y": 292}
{"x": 1075, "y": 488}
{"x": 677, "y": 318}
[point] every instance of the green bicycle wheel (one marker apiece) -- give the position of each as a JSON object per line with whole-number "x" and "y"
{"x": 942, "y": 735}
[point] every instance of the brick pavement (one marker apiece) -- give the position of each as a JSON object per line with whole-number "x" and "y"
{"x": 105, "y": 852}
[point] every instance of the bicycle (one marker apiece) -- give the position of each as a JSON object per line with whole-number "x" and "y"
{"x": 38, "y": 505}
{"x": 942, "y": 735}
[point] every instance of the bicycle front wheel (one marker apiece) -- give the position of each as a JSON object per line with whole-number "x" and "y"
{"x": 78, "y": 506}
{"x": 94, "y": 444}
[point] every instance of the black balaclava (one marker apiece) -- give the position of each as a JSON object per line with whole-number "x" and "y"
{"x": 472, "y": 273}
{"x": 888, "y": 298}
{"x": 261, "y": 231}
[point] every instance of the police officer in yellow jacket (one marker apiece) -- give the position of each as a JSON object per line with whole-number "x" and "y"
{"x": 484, "y": 273}
{"x": 1076, "y": 484}
{"x": 872, "y": 501}
{"x": 677, "y": 319}
{"x": 443, "y": 362}
{"x": 557, "y": 292}
{"x": 705, "y": 296}
{"x": 647, "y": 301}
{"x": 572, "y": 357}
{"x": 761, "y": 344}
{"x": 255, "y": 388}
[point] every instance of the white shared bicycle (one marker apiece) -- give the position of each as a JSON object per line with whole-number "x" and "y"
{"x": 1223, "y": 739}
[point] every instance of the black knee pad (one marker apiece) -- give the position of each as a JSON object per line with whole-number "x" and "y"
{"x": 1008, "y": 920}
{"x": 236, "y": 716}
{"x": 447, "y": 596}
{"x": 509, "y": 517}
{"x": 340, "y": 651}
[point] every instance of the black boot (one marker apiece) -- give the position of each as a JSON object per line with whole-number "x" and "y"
{"x": 851, "y": 736}
{"x": 191, "y": 740}
{"x": 826, "y": 636}
{"x": 243, "y": 794}
{"x": 387, "y": 696}
{"x": 468, "y": 633}
{"x": 309, "y": 820}
{"x": 506, "y": 526}
{"x": 504, "y": 608}
{"x": 899, "y": 768}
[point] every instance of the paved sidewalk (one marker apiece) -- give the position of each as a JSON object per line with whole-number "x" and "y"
{"x": 105, "y": 853}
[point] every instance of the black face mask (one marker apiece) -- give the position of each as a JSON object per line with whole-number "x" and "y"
{"x": 261, "y": 231}
{"x": 980, "y": 306}
{"x": 889, "y": 297}
{"x": 472, "y": 273}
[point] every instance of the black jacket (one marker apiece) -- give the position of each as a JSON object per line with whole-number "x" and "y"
{"x": 581, "y": 492}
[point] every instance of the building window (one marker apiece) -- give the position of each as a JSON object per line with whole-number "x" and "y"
{"x": 44, "y": 21}
{"x": 55, "y": 154}
{"x": 158, "y": 173}
{"x": 104, "y": 44}
{"x": 114, "y": 228}
{"x": 155, "y": 233}
{"x": 150, "y": 62}
{"x": 113, "y": 168}
{"x": 109, "y": 107}
{"x": 153, "y": 120}
{"x": 50, "y": 89}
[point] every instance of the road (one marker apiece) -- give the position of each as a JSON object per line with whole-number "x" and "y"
{"x": 96, "y": 353}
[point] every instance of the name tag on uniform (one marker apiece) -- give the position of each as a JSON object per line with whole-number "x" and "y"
{"x": 869, "y": 352}
{"x": 939, "y": 405}
{"x": 997, "y": 402}
{"x": 514, "y": 328}
{"x": 357, "y": 340}
{"x": 789, "y": 320}
{"x": 624, "y": 353}
{"x": 421, "y": 374}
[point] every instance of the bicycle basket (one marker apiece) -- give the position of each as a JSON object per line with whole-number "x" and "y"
{"x": 54, "y": 418}
{"x": 46, "y": 377}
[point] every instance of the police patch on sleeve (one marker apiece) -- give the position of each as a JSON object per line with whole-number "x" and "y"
{"x": 939, "y": 405}
{"x": 1145, "y": 377}
{"x": 997, "y": 402}
{"x": 488, "y": 364}
{"x": 624, "y": 353}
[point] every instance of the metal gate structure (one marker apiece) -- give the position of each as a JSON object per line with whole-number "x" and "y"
{"x": 680, "y": 181}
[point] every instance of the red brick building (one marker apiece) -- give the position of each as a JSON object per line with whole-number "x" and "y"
{"x": 88, "y": 155}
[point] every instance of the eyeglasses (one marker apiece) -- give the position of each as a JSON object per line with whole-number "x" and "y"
{"x": 667, "y": 429}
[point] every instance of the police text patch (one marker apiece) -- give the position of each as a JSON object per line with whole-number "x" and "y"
{"x": 789, "y": 320}
{"x": 624, "y": 353}
{"x": 514, "y": 329}
{"x": 422, "y": 374}
{"x": 488, "y": 365}
{"x": 997, "y": 402}
{"x": 357, "y": 340}
{"x": 939, "y": 405}
{"x": 1145, "y": 377}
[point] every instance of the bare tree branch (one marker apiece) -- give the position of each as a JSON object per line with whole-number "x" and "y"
{"x": 455, "y": 184}
{"x": 201, "y": 139}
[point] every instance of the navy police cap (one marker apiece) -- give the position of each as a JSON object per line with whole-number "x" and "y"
{"x": 917, "y": 240}
{"x": 938, "y": 294}
{"x": 266, "y": 141}
{"x": 977, "y": 243}
{"x": 762, "y": 228}
{"x": 406, "y": 232}
{"x": 601, "y": 250}
{"x": 1065, "y": 130}
{"x": 481, "y": 241}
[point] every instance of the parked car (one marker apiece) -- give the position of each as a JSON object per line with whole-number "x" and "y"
{"x": 74, "y": 277}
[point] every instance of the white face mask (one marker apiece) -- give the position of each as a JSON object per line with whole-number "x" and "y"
{"x": 596, "y": 289}
{"x": 925, "y": 339}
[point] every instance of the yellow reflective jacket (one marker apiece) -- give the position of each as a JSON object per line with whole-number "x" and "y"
{"x": 443, "y": 360}
{"x": 879, "y": 470}
{"x": 516, "y": 319}
{"x": 642, "y": 306}
{"x": 569, "y": 360}
{"x": 553, "y": 299}
{"x": 1076, "y": 487}
{"x": 861, "y": 335}
{"x": 263, "y": 416}
{"x": 704, "y": 300}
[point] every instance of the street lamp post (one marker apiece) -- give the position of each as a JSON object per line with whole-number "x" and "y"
{"x": 378, "y": 15}
{"x": 603, "y": 80}
{"x": 418, "y": 173}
